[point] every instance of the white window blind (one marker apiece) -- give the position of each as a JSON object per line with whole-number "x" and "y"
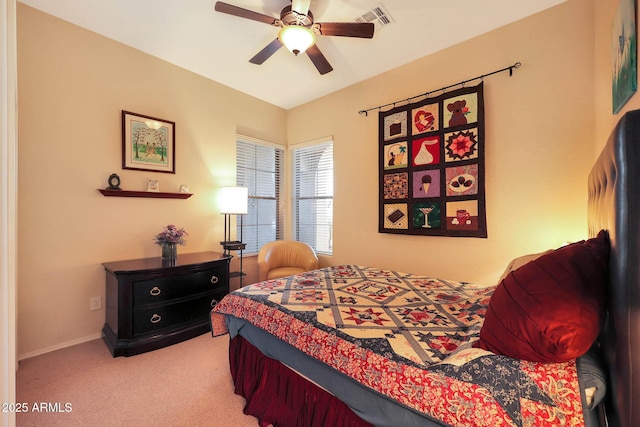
{"x": 313, "y": 196}
{"x": 259, "y": 167}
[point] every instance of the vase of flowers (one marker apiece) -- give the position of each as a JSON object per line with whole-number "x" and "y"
{"x": 169, "y": 239}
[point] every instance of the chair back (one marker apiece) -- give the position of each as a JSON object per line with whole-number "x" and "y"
{"x": 282, "y": 258}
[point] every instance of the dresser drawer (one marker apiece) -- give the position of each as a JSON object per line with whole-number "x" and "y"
{"x": 168, "y": 315}
{"x": 168, "y": 288}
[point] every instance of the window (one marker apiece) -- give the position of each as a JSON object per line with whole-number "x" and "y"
{"x": 258, "y": 167}
{"x": 313, "y": 196}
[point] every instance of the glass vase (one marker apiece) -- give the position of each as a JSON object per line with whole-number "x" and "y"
{"x": 169, "y": 251}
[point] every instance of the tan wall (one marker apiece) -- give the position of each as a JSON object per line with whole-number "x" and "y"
{"x": 539, "y": 134}
{"x": 605, "y": 120}
{"x": 72, "y": 87}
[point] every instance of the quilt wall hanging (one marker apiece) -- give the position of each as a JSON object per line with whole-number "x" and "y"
{"x": 431, "y": 160}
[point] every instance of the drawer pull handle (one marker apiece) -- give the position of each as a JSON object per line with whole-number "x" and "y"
{"x": 214, "y": 279}
{"x": 214, "y": 302}
{"x": 155, "y": 291}
{"x": 155, "y": 318}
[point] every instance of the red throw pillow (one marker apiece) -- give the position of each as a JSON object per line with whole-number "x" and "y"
{"x": 550, "y": 309}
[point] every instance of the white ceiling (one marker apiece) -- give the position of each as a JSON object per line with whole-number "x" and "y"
{"x": 190, "y": 34}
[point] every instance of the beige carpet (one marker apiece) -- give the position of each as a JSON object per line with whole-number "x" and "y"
{"x": 187, "y": 384}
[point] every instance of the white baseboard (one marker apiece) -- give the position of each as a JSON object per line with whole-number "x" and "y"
{"x": 59, "y": 346}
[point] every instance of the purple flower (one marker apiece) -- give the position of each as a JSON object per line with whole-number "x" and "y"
{"x": 171, "y": 235}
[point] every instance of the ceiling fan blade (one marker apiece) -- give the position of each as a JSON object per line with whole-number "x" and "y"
{"x": 319, "y": 60}
{"x": 301, "y": 6}
{"x": 346, "y": 29}
{"x": 266, "y": 53}
{"x": 244, "y": 13}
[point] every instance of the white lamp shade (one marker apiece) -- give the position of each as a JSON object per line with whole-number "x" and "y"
{"x": 234, "y": 200}
{"x": 296, "y": 38}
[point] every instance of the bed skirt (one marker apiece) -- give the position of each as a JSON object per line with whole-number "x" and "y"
{"x": 278, "y": 396}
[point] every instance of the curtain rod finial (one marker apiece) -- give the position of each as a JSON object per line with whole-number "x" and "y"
{"x": 514, "y": 66}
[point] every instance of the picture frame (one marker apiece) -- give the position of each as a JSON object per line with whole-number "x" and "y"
{"x": 624, "y": 55}
{"x": 153, "y": 185}
{"x": 148, "y": 143}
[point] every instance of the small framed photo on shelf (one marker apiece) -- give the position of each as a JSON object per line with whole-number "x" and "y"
{"x": 148, "y": 143}
{"x": 153, "y": 185}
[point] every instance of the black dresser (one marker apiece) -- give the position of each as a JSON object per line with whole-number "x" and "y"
{"x": 152, "y": 304}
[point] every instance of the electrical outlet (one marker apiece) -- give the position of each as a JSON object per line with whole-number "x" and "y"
{"x": 95, "y": 303}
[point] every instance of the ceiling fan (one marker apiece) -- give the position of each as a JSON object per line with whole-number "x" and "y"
{"x": 298, "y": 31}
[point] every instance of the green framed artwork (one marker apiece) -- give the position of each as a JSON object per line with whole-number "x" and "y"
{"x": 624, "y": 54}
{"x": 431, "y": 163}
{"x": 148, "y": 143}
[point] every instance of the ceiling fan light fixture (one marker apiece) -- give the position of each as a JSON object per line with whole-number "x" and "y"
{"x": 297, "y": 38}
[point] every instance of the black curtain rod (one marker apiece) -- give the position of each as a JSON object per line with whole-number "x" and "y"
{"x": 443, "y": 89}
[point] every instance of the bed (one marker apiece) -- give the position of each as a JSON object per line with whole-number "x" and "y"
{"x": 358, "y": 346}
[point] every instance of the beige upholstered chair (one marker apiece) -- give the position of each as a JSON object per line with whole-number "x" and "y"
{"x": 285, "y": 257}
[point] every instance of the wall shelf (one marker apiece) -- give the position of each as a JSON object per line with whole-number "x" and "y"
{"x": 152, "y": 194}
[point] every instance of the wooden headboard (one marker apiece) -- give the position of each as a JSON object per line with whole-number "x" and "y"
{"x": 614, "y": 205}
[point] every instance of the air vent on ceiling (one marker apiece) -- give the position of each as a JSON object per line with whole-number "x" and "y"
{"x": 378, "y": 15}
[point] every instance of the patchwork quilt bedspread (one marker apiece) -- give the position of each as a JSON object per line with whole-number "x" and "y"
{"x": 409, "y": 338}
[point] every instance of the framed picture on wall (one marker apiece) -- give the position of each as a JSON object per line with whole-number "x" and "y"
{"x": 148, "y": 143}
{"x": 624, "y": 54}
